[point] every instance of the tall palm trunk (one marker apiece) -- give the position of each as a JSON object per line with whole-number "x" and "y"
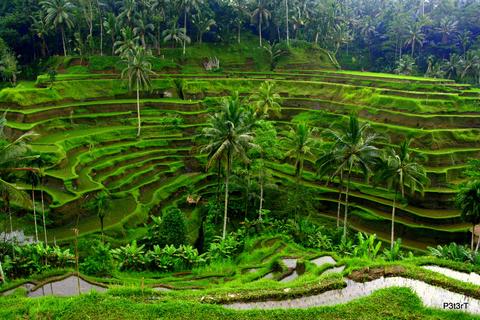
{"x": 138, "y": 109}
{"x": 260, "y": 28}
{"x": 62, "y": 29}
{"x": 239, "y": 31}
{"x": 392, "y": 236}
{"x": 185, "y": 26}
{"x": 34, "y": 213}
{"x": 473, "y": 237}
{"x": 286, "y": 18}
{"x": 340, "y": 189}
{"x": 101, "y": 27}
{"x": 43, "y": 218}
{"x": 345, "y": 218}
{"x": 261, "y": 197}
{"x": 478, "y": 244}
{"x": 225, "y": 212}
{"x": 413, "y": 46}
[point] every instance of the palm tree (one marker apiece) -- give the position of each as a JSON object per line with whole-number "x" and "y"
{"x": 41, "y": 30}
{"x": 401, "y": 170}
{"x": 59, "y": 13}
{"x": 266, "y": 100}
{"x": 127, "y": 44}
{"x": 327, "y": 165}
{"x": 128, "y": 11}
{"x": 111, "y": 28}
{"x": 175, "y": 34}
{"x": 260, "y": 15}
{"x": 101, "y": 204}
{"x": 188, "y": 6}
{"x": 300, "y": 144}
{"x": 353, "y": 149}
{"x": 33, "y": 178}
{"x": 203, "y": 25}
{"x": 138, "y": 73}
{"x": 415, "y": 36}
{"x": 12, "y": 155}
{"x": 142, "y": 30}
{"x": 228, "y": 137}
{"x": 447, "y": 27}
{"x": 468, "y": 201}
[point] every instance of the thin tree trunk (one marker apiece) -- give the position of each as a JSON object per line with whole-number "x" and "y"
{"x": 12, "y": 241}
{"x": 138, "y": 110}
{"x": 76, "y": 260}
{"x": 185, "y": 26}
{"x": 34, "y": 213}
{"x": 101, "y": 28}
{"x": 246, "y": 197}
{"x": 346, "y": 205}
{"x": 392, "y": 237}
{"x": 63, "y": 41}
{"x": 226, "y": 199}
{"x": 261, "y": 198}
{"x": 340, "y": 189}
{"x": 43, "y": 217}
{"x": 101, "y": 228}
{"x": 413, "y": 46}
{"x": 219, "y": 168}
{"x": 260, "y": 28}
{"x": 287, "y": 29}
{"x": 239, "y": 30}
{"x": 473, "y": 236}
{"x": 476, "y": 247}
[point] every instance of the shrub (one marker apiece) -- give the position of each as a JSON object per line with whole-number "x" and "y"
{"x": 223, "y": 249}
{"x": 131, "y": 257}
{"x": 172, "y": 229}
{"x": 99, "y": 260}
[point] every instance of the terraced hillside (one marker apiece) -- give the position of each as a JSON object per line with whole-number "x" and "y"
{"x": 86, "y": 129}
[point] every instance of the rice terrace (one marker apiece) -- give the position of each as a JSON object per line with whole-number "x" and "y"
{"x": 240, "y": 159}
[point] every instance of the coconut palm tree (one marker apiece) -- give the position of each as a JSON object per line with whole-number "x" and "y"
{"x": 300, "y": 144}
{"x": 261, "y": 15}
{"x": 59, "y": 14}
{"x": 138, "y": 72}
{"x": 266, "y": 100}
{"x": 447, "y": 27}
{"x": 353, "y": 149}
{"x": 203, "y": 25}
{"x": 41, "y": 30}
{"x": 175, "y": 34}
{"x": 143, "y": 29}
{"x": 12, "y": 155}
{"x": 415, "y": 36}
{"x": 188, "y": 6}
{"x": 468, "y": 201}
{"x": 327, "y": 165}
{"x": 127, "y": 44}
{"x": 101, "y": 204}
{"x": 110, "y": 25}
{"x": 401, "y": 170}
{"x": 228, "y": 137}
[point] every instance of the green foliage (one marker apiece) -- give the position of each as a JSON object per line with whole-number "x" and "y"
{"x": 34, "y": 258}
{"x": 368, "y": 247}
{"x": 224, "y": 249}
{"x": 453, "y": 251}
{"x": 98, "y": 260}
{"x": 394, "y": 253}
{"x": 172, "y": 229}
{"x": 130, "y": 257}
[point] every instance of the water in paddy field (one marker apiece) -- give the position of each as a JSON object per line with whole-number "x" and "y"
{"x": 65, "y": 288}
{"x": 461, "y": 276}
{"x": 431, "y": 296}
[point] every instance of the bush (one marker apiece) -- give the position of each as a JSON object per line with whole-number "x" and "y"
{"x": 99, "y": 260}
{"x": 131, "y": 257}
{"x": 34, "y": 258}
{"x": 223, "y": 249}
{"x": 170, "y": 230}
